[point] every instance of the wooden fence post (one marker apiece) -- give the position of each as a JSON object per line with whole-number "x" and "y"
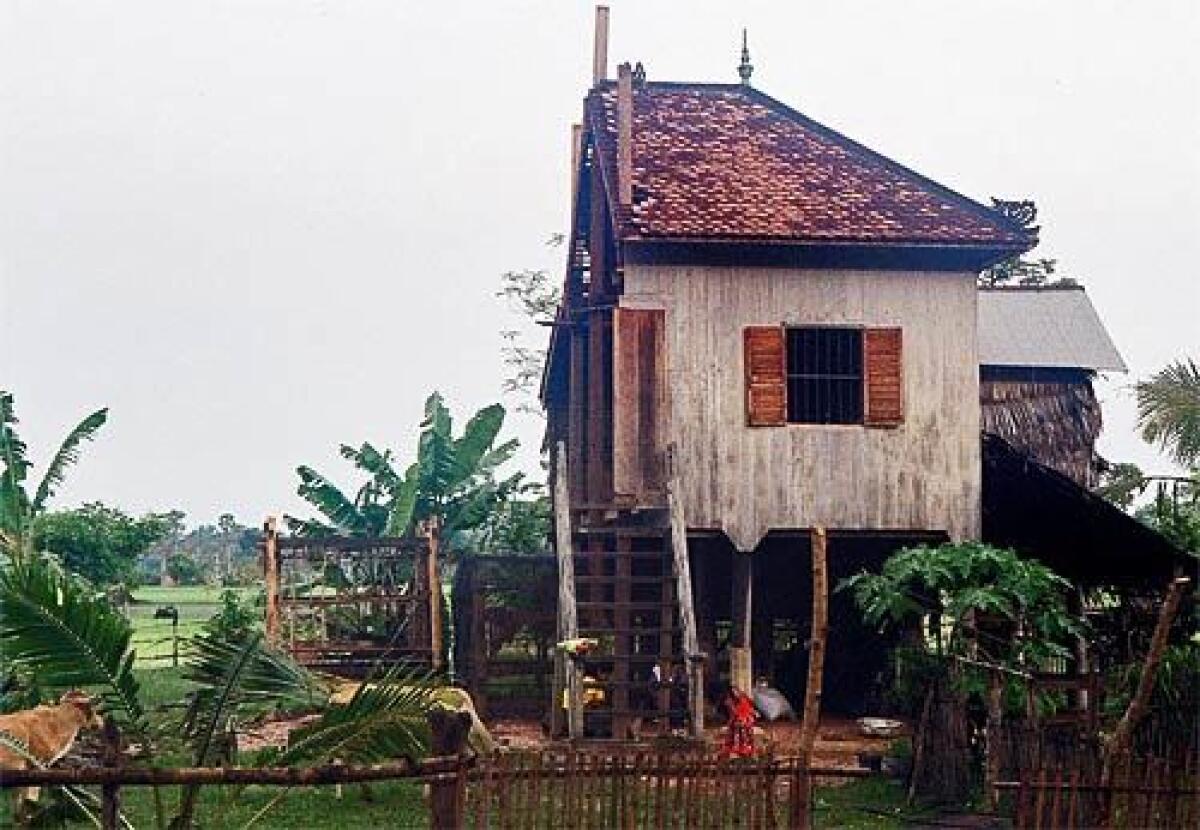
{"x": 447, "y": 798}
{"x": 271, "y": 577}
{"x": 110, "y": 794}
{"x": 431, "y": 531}
{"x": 816, "y": 670}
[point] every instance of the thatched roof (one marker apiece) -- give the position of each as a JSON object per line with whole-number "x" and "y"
{"x": 1055, "y": 420}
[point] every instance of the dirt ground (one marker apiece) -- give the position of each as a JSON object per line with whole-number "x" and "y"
{"x": 838, "y": 745}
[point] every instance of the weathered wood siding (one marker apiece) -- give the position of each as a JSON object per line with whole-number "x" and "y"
{"x": 921, "y": 475}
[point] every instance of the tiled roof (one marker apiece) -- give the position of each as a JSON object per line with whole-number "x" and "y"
{"x": 728, "y": 162}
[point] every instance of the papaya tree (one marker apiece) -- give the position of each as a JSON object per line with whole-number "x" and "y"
{"x": 986, "y": 618}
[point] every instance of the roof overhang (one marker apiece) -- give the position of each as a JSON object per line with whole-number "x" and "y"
{"x": 1041, "y": 513}
{"x": 770, "y": 253}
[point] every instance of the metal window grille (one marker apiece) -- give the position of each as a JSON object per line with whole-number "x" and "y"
{"x": 824, "y": 376}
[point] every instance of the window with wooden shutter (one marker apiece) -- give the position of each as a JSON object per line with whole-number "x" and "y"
{"x": 766, "y": 379}
{"x": 884, "y": 361}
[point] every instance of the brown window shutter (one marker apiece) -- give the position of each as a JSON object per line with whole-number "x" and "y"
{"x": 766, "y": 383}
{"x": 883, "y": 360}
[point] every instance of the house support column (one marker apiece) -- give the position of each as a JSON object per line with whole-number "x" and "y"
{"x": 741, "y": 672}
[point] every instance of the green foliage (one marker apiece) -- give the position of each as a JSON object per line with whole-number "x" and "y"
{"x": 234, "y": 679}
{"x": 99, "y": 543}
{"x": 966, "y": 584}
{"x": 1175, "y": 699}
{"x": 1175, "y": 513}
{"x": 519, "y": 525}
{"x": 58, "y": 629}
{"x": 17, "y": 509}
{"x": 534, "y": 296}
{"x": 1022, "y": 270}
{"x": 386, "y": 719}
{"x": 184, "y": 570}
{"x": 1169, "y": 411}
{"x": 1121, "y": 483}
{"x": 236, "y": 620}
{"x": 454, "y": 480}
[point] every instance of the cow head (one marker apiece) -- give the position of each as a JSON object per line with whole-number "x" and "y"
{"x": 82, "y": 703}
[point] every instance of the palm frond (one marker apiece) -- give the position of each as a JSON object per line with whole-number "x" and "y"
{"x": 332, "y": 502}
{"x": 1169, "y": 410}
{"x": 385, "y": 719}
{"x": 232, "y": 675}
{"x": 61, "y": 631}
{"x": 68, "y": 454}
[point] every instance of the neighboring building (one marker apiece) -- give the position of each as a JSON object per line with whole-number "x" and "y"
{"x": 1039, "y": 349}
{"x": 790, "y": 324}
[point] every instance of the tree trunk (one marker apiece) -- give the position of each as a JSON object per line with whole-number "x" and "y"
{"x": 1122, "y": 736}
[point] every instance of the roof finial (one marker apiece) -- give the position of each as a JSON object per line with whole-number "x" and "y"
{"x": 745, "y": 68}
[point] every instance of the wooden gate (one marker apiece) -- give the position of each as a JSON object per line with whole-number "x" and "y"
{"x": 576, "y": 789}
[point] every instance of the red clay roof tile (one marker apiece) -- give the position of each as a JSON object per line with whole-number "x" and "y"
{"x": 726, "y": 161}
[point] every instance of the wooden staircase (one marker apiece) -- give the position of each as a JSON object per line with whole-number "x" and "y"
{"x": 625, "y": 582}
{"x": 625, "y": 592}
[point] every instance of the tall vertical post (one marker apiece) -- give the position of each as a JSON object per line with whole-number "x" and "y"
{"x": 816, "y": 666}
{"x": 600, "y": 46}
{"x": 683, "y": 593}
{"x": 271, "y": 578}
{"x": 110, "y": 794}
{"x": 625, "y": 135}
{"x": 568, "y": 621}
{"x": 432, "y": 531}
{"x": 740, "y": 667}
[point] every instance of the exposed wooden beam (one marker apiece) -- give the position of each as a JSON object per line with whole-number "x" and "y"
{"x": 600, "y": 46}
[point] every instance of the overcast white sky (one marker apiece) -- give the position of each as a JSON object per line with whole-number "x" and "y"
{"x": 257, "y": 229}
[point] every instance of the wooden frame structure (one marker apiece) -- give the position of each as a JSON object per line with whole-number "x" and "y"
{"x": 343, "y": 604}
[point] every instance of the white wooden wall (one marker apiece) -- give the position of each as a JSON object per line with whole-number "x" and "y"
{"x": 924, "y": 475}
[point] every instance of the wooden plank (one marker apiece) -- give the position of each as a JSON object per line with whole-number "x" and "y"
{"x": 568, "y": 624}
{"x": 271, "y": 578}
{"x": 624, "y": 643}
{"x": 883, "y": 365}
{"x": 432, "y": 532}
{"x": 681, "y": 565}
{"x": 766, "y": 376}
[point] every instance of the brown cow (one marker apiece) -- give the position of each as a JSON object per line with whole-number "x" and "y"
{"x": 47, "y": 732}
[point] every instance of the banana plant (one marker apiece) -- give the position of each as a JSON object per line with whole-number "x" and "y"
{"x": 454, "y": 481}
{"x": 17, "y": 507}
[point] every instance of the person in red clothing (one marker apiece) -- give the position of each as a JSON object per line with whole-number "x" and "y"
{"x": 739, "y": 733}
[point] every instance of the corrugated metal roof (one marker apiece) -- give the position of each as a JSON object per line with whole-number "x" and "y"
{"x": 1049, "y": 327}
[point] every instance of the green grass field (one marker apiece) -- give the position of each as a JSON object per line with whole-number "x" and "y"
{"x": 152, "y": 638}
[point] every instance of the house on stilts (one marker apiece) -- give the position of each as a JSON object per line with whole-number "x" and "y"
{"x": 768, "y": 328}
